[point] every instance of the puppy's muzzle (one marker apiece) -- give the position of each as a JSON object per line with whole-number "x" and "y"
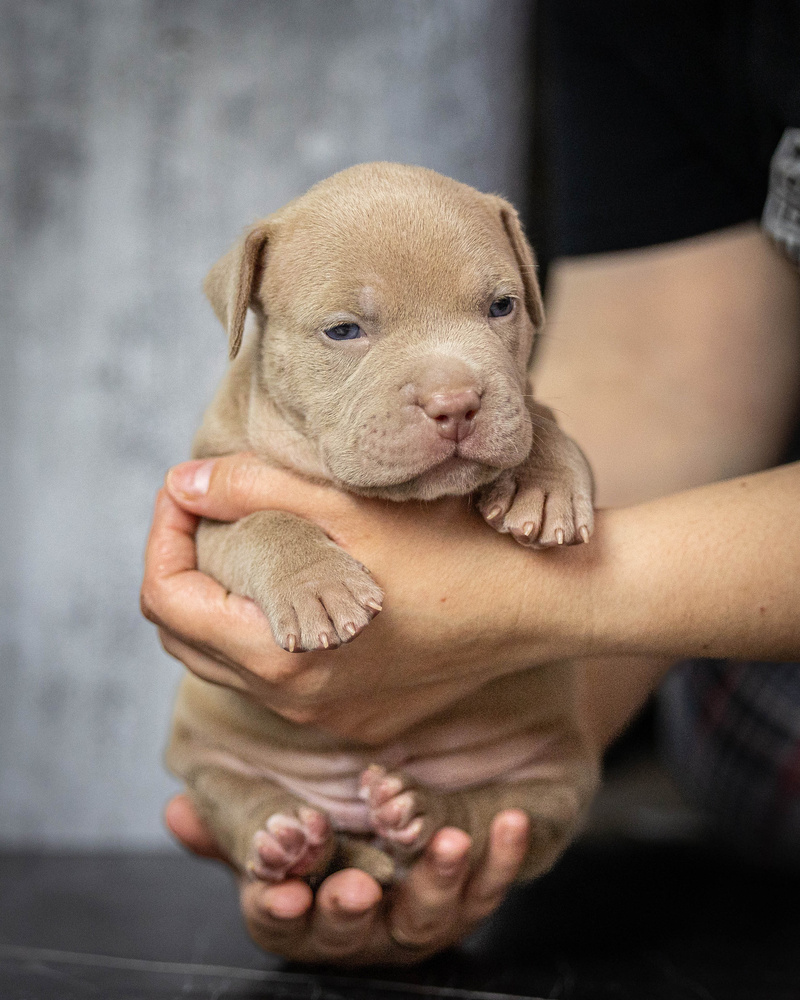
{"x": 453, "y": 413}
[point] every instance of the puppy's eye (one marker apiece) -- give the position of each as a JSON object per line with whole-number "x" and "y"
{"x": 503, "y": 306}
{"x": 344, "y": 331}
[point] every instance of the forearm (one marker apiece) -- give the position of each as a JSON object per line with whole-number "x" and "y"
{"x": 712, "y": 572}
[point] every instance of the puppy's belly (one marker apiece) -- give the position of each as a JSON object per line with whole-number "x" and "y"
{"x": 330, "y": 780}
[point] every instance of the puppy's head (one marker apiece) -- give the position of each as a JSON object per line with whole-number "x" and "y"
{"x": 397, "y": 313}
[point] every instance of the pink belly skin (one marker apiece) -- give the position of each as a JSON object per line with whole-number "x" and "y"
{"x": 450, "y": 757}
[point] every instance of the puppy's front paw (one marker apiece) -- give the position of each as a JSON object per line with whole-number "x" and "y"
{"x": 539, "y": 510}
{"x": 322, "y": 605}
{"x": 290, "y": 844}
{"x": 400, "y": 812}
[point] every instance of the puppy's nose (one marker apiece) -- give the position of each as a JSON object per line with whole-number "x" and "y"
{"x": 453, "y": 412}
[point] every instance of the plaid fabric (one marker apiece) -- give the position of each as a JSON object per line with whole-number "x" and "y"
{"x": 731, "y": 738}
{"x": 781, "y": 218}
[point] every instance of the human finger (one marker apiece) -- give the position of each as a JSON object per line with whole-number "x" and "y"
{"x": 508, "y": 843}
{"x": 197, "y": 612}
{"x": 212, "y": 666}
{"x": 277, "y": 916}
{"x": 426, "y": 909}
{"x": 232, "y": 486}
{"x": 345, "y": 916}
{"x": 171, "y": 570}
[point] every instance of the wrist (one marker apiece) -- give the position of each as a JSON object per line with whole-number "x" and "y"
{"x": 564, "y": 596}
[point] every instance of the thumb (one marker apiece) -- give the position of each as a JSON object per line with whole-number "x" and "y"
{"x": 230, "y": 487}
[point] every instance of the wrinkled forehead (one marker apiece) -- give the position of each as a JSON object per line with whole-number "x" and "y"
{"x": 379, "y": 251}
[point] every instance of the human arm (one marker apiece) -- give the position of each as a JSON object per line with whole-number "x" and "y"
{"x": 707, "y": 572}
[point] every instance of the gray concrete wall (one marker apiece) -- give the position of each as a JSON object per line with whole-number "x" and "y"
{"x": 137, "y": 138}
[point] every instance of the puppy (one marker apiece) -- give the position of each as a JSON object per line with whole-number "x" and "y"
{"x": 393, "y": 315}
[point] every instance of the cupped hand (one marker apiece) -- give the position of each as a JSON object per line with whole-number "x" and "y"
{"x": 349, "y": 921}
{"x": 457, "y": 610}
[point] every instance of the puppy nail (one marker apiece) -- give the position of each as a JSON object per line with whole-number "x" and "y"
{"x": 350, "y": 627}
{"x": 291, "y": 642}
{"x": 374, "y": 605}
{"x": 323, "y": 638}
{"x": 412, "y": 831}
{"x": 493, "y": 513}
{"x": 583, "y": 531}
{"x": 527, "y": 529}
{"x": 559, "y": 536}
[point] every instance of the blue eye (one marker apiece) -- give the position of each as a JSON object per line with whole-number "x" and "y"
{"x": 503, "y": 306}
{"x": 344, "y": 331}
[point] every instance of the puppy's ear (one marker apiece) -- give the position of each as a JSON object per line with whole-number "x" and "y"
{"x": 525, "y": 260}
{"x": 232, "y": 282}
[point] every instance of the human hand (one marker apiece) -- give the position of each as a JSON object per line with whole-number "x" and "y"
{"x": 457, "y": 611}
{"x": 350, "y": 922}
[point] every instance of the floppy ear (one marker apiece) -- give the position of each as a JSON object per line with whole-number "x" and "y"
{"x": 231, "y": 283}
{"x": 525, "y": 260}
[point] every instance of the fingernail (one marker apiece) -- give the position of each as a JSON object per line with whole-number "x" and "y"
{"x": 451, "y": 850}
{"x": 516, "y": 828}
{"x": 191, "y": 479}
{"x": 348, "y": 909}
{"x": 278, "y": 909}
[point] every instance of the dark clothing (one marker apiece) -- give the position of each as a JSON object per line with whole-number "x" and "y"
{"x": 660, "y": 118}
{"x": 660, "y": 121}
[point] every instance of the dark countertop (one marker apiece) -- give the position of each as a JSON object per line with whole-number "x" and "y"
{"x": 615, "y": 919}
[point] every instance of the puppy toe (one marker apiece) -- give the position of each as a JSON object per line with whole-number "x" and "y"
{"x": 398, "y": 811}
{"x": 583, "y": 514}
{"x": 347, "y": 616}
{"x": 558, "y": 525}
{"x": 317, "y": 631}
{"x": 366, "y": 593}
{"x": 285, "y": 628}
{"x": 525, "y": 517}
{"x": 495, "y": 500}
{"x": 290, "y": 845}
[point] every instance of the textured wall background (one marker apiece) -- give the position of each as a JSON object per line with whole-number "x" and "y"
{"x": 137, "y": 138}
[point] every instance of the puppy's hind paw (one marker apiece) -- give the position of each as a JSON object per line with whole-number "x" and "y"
{"x": 400, "y": 813}
{"x": 290, "y": 845}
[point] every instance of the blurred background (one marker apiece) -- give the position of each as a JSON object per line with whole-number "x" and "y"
{"x": 137, "y": 138}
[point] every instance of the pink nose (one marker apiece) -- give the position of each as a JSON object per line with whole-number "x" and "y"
{"x": 453, "y": 412}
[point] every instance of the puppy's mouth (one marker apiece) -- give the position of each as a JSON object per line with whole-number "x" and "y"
{"x": 455, "y": 475}
{"x": 416, "y": 462}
